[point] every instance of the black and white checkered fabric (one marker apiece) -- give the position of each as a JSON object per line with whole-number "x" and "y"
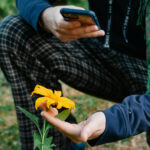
{"x": 28, "y": 58}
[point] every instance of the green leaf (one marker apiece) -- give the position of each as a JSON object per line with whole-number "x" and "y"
{"x": 63, "y": 115}
{"x": 37, "y": 141}
{"x": 48, "y": 143}
{"x": 52, "y": 145}
{"x": 48, "y": 126}
{"x": 30, "y": 116}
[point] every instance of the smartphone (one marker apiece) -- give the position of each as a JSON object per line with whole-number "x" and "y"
{"x": 85, "y": 17}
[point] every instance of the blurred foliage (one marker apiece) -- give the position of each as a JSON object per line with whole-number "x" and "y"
{"x": 80, "y": 3}
{"x": 9, "y": 136}
{"x": 2, "y": 81}
{"x": 7, "y": 7}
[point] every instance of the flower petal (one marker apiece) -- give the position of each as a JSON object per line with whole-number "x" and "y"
{"x": 52, "y": 98}
{"x": 67, "y": 103}
{"x": 50, "y": 102}
{"x": 39, "y": 101}
{"x": 57, "y": 93}
{"x": 42, "y": 91}
{"x": 59, "y": 105}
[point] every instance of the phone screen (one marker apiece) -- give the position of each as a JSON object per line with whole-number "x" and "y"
{"x": 84, "y": 19}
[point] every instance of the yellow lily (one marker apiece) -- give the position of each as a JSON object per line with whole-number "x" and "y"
{"x": 52, "y": 98}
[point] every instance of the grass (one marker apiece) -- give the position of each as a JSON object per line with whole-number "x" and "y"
{"x": 85, "y": 105}
{"x": 9, "y": 138}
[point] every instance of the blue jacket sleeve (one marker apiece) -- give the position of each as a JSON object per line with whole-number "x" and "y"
{"x": 129, "y": 118}
{"x": 30, "y": 10}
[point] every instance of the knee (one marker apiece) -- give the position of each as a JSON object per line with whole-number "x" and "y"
{"x": 9, "y": 25}
{"x": 12, "y": 31}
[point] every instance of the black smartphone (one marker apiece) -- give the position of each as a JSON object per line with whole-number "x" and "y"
{"x": 86, "y": 17}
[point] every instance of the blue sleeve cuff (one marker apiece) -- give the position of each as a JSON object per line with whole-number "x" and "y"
{"x": 116, "y": 128}
{"x": 36, "y": 14}
{"x": 129, "y": 118}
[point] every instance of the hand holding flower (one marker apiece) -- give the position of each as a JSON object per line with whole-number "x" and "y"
{"x": 89, "y": 129}
{"x": 41, "y": 141}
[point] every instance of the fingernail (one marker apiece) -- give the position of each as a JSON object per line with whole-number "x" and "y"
{"x": 96, "y": 27}
{"x": 103, "y": 33}
{"x": 42, "y": 113}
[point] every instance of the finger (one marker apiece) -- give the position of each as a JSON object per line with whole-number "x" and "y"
{"x": 65, "y": 38}
{"x": 87, "y": 131}
{"x": 69, "y": 40}
{"x": 75, "y": 136}
{"x": 94, "y": 127}
{"x": 83, "y": 30}
{"x": 92, "y": 34}
{"x": 53, "y": 111}
{"x": 43, "y": 106}
{"x": 75, "y": 140}
{"x": 65, "y": 127}
{"x": 72, "y": 131}
{"x": 69, "y": 37}
{"x": 62, "y": 24}
{"x": 78, "y": 31}
{"x": 78, "y": 138}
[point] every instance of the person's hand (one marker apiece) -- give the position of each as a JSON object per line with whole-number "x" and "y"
{"x": 66, "y": 31}
{"x": 89, "y": 129}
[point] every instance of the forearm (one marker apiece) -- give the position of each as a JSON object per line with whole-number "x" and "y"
{"x": 129, "y": 118}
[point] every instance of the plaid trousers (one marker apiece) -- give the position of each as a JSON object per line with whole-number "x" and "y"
{"x": 28, "y": 58}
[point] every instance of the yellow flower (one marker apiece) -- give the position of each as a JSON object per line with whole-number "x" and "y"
{"x": 52, "y": 98}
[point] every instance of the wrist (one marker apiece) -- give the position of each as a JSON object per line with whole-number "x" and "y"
{"x": 43, "y": 18}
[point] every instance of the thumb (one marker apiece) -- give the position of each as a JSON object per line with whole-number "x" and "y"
{"x": 94, "y": 127}
{"x": 87, "y": 131}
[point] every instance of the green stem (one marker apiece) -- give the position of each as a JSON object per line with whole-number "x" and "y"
{"x": 43, "y": 135}
{"x": 39, "y": 131}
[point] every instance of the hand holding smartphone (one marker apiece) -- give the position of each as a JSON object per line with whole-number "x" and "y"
{"x": 85, "y": 17}
{"x": 81, "y": 23}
